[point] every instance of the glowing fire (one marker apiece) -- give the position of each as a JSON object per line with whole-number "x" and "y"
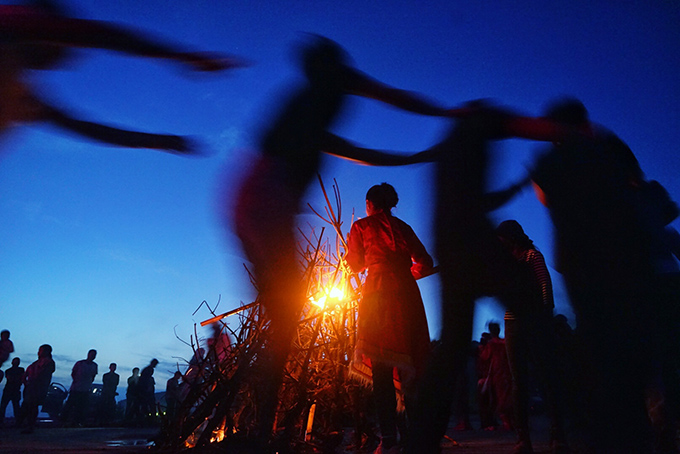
{"x": 334, "y": 293}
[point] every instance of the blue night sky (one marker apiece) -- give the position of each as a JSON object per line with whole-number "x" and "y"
{"x": 114, "y": 249}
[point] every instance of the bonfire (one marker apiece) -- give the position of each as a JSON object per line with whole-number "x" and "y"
{"x": 318, "y": 400}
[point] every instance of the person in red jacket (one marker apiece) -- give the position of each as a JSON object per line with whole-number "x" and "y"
{"x": 392, "y": 328}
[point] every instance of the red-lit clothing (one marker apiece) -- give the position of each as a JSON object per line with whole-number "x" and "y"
{"x": 500, "y": 379}
{"x": 392, "y": 326}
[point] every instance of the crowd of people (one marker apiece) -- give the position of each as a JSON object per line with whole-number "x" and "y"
{"x": 614, "y": 251}
{"x": 85, "y": 404}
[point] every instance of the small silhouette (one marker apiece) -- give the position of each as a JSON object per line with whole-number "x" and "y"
{"x": 496, "y": 387}
{"x": 6, "y": 347}
{"x": 392, "y": 330}
{"x": 76, "y": 407}
{"x": 132, "y": 397}
{"x": 36, "y": 384}
{"x": 172, "y": 394}
{"x": 12, "y": 391}
{"x": 147, "y": 391}
{"x": 107, "y": 400}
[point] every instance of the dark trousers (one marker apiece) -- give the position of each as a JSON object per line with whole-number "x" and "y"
{"x": 528, "y": 340}
{"x": 14, "y": 397}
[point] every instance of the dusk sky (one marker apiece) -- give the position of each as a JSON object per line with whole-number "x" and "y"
{"x": 114, "y": 249}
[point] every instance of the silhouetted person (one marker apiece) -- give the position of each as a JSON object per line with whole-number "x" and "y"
{"x": 37, "y": 381}
{"x": 107, "y": 401}
{"x": 83, "y": 373}
{"x": 147, "y": 390}
{"x": 589, "y": 184}
{"x": 132, "y": 399}
{"x": 498, "y": 380}
{"x": 529, "y": 339}
{"x": 172, "y": 394}
{"x": 485, "y": 404}
{"x": 14, "y": 377}
{"x": 269, "y": 197}
{"x": 37, "y": 36}
{"x": 392, "y": 330}
{"x": 6, "y": 346}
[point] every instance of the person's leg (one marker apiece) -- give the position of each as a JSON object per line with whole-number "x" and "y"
{"x": 385, "y": 403}
{"x": 515, "y": 344}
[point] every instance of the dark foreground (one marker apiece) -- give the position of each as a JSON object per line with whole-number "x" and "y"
{"x": 48, "y": 439}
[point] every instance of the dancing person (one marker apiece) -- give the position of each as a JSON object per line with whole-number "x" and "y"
{"x": 590, "y": 186}
{"x": 528, "y": 338}
{"x": 37, "y": 36}
{"x": 392, "y": 330}
{"x": 37, "y": 381}
{"x": 14, "y": 377}
{"x": 269, "y": 197}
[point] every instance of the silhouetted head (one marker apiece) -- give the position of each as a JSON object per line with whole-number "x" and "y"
{"x": 154, "y": 362}
{"x": 91, "y": 355}
{"x": 45, "y": 351}
{"x": 16, "y": 361}
{"x": 322, "y": 59}
{"x": 4, "y": 334}
{"x": 112, "y": 367}
{"x": 381, "y": 197}
{"x": 178, "y": 374}
{"x": 512, "y": 233}
{"x": 135, "y": 371}
{"x": 569, "y": 111}
{"x": 495, "y": 329}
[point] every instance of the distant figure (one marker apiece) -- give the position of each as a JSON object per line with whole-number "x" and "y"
{"x": 392, "y": 330}
{"x": 107, "y": 401}
{"x": 12, "y": 391}
{"x": 529, "y": 339}
{"x": 37, "y": 381}
{"x": 147, "y": 391}
{"x": 498, "y": 381}
{"x": 172, "y": 394}
{"x": 132, "y": 399}
{"x": 485, "y": 404}
{"x": 6, "y": 346}
{"x": 83, "y": 373}
{"x": 590, "y": 185}
{"x": 36, "y": 37}
{"x": 269, "y": 197}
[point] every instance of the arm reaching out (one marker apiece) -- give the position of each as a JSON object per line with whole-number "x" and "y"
{"x": 33, "y": 25}
{"x": 116, "y": 136}
{"x": 361, "y": 84}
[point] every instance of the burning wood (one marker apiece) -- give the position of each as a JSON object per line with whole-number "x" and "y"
{"x": 316, "y": 400}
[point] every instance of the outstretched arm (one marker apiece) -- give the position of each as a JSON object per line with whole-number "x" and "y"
{"x": 342, "y": 148}
{"x": 115, "y": 136}
{"x": 361, "y": 84}
{"x": 31, "y": 24}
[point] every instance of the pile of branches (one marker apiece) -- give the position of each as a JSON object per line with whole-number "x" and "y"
{"x": 316, "y": 401}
